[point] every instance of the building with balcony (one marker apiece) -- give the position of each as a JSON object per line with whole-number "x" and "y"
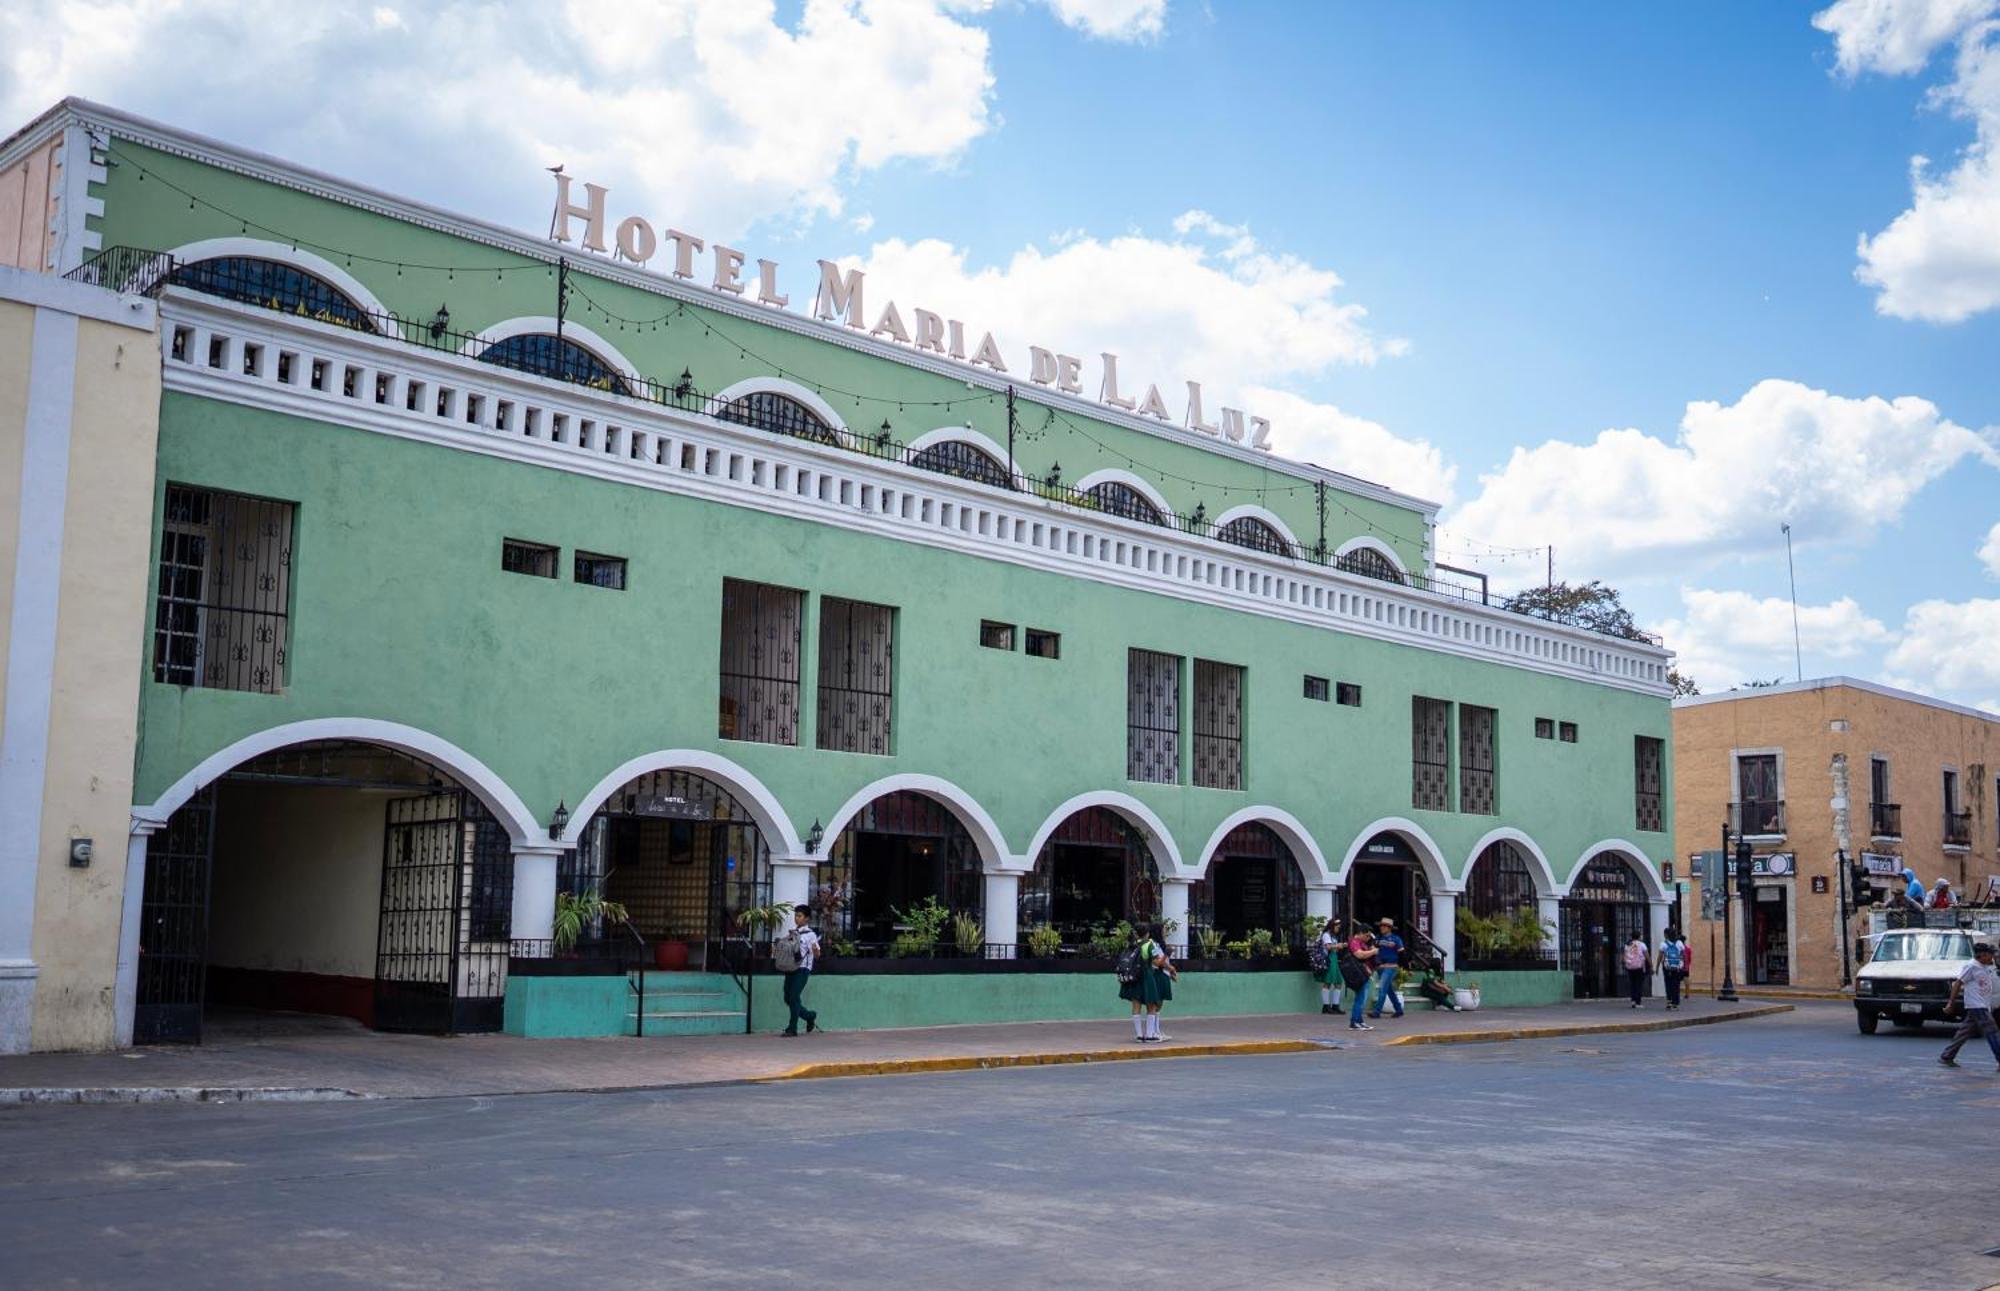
{"x": 480, "y": 572}
{"x": 1816, "y": 771}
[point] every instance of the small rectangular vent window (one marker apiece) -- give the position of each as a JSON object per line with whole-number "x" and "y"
{"x": 1043, "y": 644}
{"x": 532, "y": 558}
{"x": 1567, "y": 731}
{"x": 1348, "y": 693}
{"x": 1317, "y": 688}
{"x": 996, "y": 636}
{"x": 1545, "y": 728}
{"x": 600, "y": 571}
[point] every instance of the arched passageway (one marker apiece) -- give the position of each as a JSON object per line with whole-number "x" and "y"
{"x": 1094, "y": 872}
{"x": 1606, "y": 907}
{"x": 1253, "y": 882}
{"x": 892, "y": 859}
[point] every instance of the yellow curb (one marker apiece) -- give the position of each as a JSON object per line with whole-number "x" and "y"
{"x": 1614, "y": 1028}
{"x": 1709, "y": 992}
{"x": 982, "y": 1062}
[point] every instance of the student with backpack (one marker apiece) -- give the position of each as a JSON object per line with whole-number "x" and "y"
{"x": 1636, "y": 956}
{"x": 1146, "y": 978}
{"x": 1323, "y": 960}
{"x": 794, "y": 955}
{"x": 1675, "y": 959}
{"x": 1357, "y": 966}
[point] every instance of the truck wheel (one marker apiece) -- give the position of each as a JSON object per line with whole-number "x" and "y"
{"x": 1866, "y": 1021}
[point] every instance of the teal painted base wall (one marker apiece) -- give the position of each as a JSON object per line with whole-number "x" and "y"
{"x": 597, "y": 1006}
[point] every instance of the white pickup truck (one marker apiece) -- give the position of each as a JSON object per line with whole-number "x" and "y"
{"x": 1908, "y": 976}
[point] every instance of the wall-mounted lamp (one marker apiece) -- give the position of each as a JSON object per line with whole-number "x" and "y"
{"x": 882, "y": 435}
{"x": 1200, "y": 516}
{"x": 685, "y": 386}
{"x": 440, "y": 321}
{"x": 1054, "y": 479}
{"x": 814, "y": 838}
{"x": 559, "y": 821}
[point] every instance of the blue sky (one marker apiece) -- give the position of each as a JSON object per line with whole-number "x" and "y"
{"x": 1560, "y": 221}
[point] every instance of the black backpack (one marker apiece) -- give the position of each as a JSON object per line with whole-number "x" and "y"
{"x": 1316, "y": 955}
{"x": 1352, "y": 970}
{"x": 1131, "y": 963}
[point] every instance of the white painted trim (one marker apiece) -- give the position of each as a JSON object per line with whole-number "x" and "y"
{"x": 791, "y": 390}
{"x": 1305, "y": 848}
{"x": 71, "y": 226}
{"x": 985, "y": 834}
{"x": 1545, "y": 873}
{"x": 545, "y": 324}
{"x": 1375, "y": 545}
{"x": 760, "y": 802}
{"x": 1429, "y": 854}
{"x": 1112, "y": 475}
{"x": 1251, "y": 509}
{"x": 45, "y": 291}
{"x": 522, "y": 828}
{"x": 285, "y": 253}
{"x": 978, "y": 439}
{"x": 1635, "y": 856}
{"x": 125, "y": 981}
{"x": 1166, "y": 854}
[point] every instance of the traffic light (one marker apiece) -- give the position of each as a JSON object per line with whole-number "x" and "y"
{"x": 1746, "y": 883}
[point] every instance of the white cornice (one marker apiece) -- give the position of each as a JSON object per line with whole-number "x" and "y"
{"x": 275, "y": 170}
{"x": 1753, "y": 693}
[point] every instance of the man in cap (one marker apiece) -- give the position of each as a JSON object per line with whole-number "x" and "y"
{"x": 1388, "y": 961}
{"x": 1977, "y": 986}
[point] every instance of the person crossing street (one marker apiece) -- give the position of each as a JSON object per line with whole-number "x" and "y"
{"x": 1977, "y": 987}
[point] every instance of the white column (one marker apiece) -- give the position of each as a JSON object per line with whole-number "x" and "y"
{"x": 1174, "y": 913}
{"x": 125, "y": 988}
{"x": 1657, "y": 913}
{"x": 1549, "y": 911}
{"x": 791, "y": 880}
{"x": 535, "y": 893}
{"x": 1003, "y": 911}
{"x": 1444, "y": 926}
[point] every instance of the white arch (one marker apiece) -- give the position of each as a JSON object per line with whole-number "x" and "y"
{"x": 286, "y": 253}
{"x": 1112, "y": 475}
{"x": 980, "y": 441}
{"x": 1305, "y": 849}
{"x": 1377, "y": 546}
{"x": 1253, "y": 510}
{"x": 1544, "y": 873}
{"x": 791, "y": 390}
{"x": 499, "y": 798}
{"x": 1635, "y": 856}
{"x": 1136, "y": 814}
{"x": 543, "y": 324}
{"x": 1429, "y": 854}
{"x": 760, "y": 802}
{"x": 985, "y": 834}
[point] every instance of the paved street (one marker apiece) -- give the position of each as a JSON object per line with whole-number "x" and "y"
{"x": 1782, "y": 1151}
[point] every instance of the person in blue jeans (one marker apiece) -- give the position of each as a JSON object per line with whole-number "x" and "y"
{"x": 1388, "y": 961}
{"x": 1360, "y": 961}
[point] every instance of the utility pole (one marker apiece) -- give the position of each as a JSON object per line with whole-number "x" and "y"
{"x": 1552, "y": 566}
{"x": 1798, "y": 655}
{"x": 1319, "y": 489}
{"x": 562, "y": 301}
{"x": 1010, "y": 433}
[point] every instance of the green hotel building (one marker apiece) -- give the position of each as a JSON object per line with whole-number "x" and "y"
{"x": 450, "y": 573}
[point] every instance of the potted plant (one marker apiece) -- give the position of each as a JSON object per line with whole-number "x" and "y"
{"x": 968, "y": 935}
{"x": 1044, "y": 942}
{"x": 922, "y": 925}
{"x": 1209, "y": 942}
{"x": 1467, "y": 996}
{"x": 577, "y": 911}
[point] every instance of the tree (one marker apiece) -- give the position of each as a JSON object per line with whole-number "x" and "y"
{"x": 1682, "y": 683}
{"x": 1589, "y": 605}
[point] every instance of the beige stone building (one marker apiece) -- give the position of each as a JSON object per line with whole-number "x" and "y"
{"x": 1817, "y": 770}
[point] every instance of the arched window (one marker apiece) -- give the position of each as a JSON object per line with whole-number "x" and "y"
{"x": 967, "y": 461}
{"x": 1249, "y": 531}
{"x": 1370, "y": 563}
{"x": 274, "y": 286}
{"x": 779, "y": 414}
{"x": 1121, "y": 499}
{"x": 547, "y": 355}
{"x": 1500, "y": 882}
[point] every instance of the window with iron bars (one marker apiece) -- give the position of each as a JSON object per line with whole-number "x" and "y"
{"x": 857, "y": 670}
{"x": 760, "y": 662}
{"x": 1478, "y": 775}
{"x": 966, "y": 461}
{"x": 1430, "y": 758}
{"x": 1649, "y": 755}
{"x": 1218, "y": 725}
{"x": 543, "y": 354}
{"x": 1370, "y": 563}
{"x": 1249, "y": 531}
{"x": 779, "y": 414}
{"x": 1120, "y": 499}
{"x": 1153, "y": 717}
{"x": 272, "y": 285}
{"x": 223, "y": 601}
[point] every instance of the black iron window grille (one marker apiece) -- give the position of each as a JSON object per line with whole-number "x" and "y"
{"x": 1253, "y": 882}
{"x": 1348, "y": 693}
{"x": 1566, "y": 732}
{"x": 535, "y": 559}
{"x": 1094, "y": 871}
{"x": 443, "y": 939}
{"x": 1649, "y": 767}
{"x": 1478, "y": 775}
{"x": 544, "y": 354}
{"x": 1218, "y": 725}
{"x": 600, "y": 571}
{"x": 779, "y": 414}
{"x": 1044, "y": 644}
{"x": 760, "y": 662}
{"x": 1500, "y": 882}
{"x": 173, "y": 926}
{"x": 1369, "y": 563}
{"x": 1249, "y": 531}
{"x": 966, "y": 461}
{"x": 1885, "y": 819}
{"x": 1958, "y": 828}
{"x": 996, "y": 636}
{"x": 1317, "y": 688}
{"x": 1760, "y": 801}
{"x": 679, "y": 851}
{"x": 1153, "y": 717}
{"x": 1545, "y": 728}
{"x": 223, "y": 601}
{"x": 272, "y": 285}
{"x": 1430, "y": 772}
{"x": 898, "y": 850}
{"x": 857, "y": 670}
{"x": 1115, "y": 498}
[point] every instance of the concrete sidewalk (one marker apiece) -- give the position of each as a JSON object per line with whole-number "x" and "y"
{"x": 298, "y": 1056}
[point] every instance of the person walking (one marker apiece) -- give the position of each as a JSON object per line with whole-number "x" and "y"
{"x": 800, "y": 947}
{"x": 1388, "y": 963}
{"x": 1673, "y": 962}
{"x": 1358, "y": 968}
{"x": 1328, "y": 974}
{"x": 1977, "y": 987}
{"x": 1636, "y": 958}
{"x": 1151, "y": 986}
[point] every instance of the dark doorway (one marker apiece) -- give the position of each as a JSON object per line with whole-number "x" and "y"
{"x": 893, "y": 872}
{"x": 1253, "y": 882}
{"x": 1771, "y": 937}
{"x": 1605, "y": 909}
{"x": 1094, "y": 872}
{"x": 1246, "y": 895}
{"x": 1088, "y": 886}
{"x": 899, "y": 851}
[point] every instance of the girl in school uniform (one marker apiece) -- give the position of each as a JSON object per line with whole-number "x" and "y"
{"x": 1153, "y": 987}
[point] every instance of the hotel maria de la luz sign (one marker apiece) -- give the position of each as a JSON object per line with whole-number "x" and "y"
{"x": 381, "y": 583}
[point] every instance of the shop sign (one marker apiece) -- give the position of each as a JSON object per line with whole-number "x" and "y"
{"x": 842, "y": 297}
{"x": 1777, "y": 865}
{"x": 1878, "y": 863}
{"x": 1388, "y": 847}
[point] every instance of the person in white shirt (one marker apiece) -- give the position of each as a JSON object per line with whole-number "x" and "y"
{"x": 1977, "y": 986}
{"x": 796, "y": 979}
{"x": 1329, "y": 977}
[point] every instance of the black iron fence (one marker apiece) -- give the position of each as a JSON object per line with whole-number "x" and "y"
{"x": 1757, "y": 818}
{"x": 1958, "y": 828}
{"x": 1885, "y": 820}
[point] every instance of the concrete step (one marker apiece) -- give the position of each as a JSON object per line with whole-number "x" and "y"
{"x": 668, "y": 1022}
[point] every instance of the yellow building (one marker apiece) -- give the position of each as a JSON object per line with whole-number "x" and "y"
{"x": 79, "y": 417}
{"x": 1818, "y": 770}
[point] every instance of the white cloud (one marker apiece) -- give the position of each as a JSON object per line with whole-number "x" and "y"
{"x": 1949, "y": 645}
{"x": 1726, "y": 638}
{"x": 1113, "y": 19}
{"x": 707, "y": 114}
{"x": 1940, "y": 259}
{"x": 1835, "y": 467}
{"x": 1989, "y": 551}
{"x": 1322, "y": 433}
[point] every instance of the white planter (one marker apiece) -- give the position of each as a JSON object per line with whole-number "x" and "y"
{"x": 1467, "y": 997}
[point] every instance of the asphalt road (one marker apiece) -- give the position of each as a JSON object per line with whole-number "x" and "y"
{"x": 1781, "y": 1152}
